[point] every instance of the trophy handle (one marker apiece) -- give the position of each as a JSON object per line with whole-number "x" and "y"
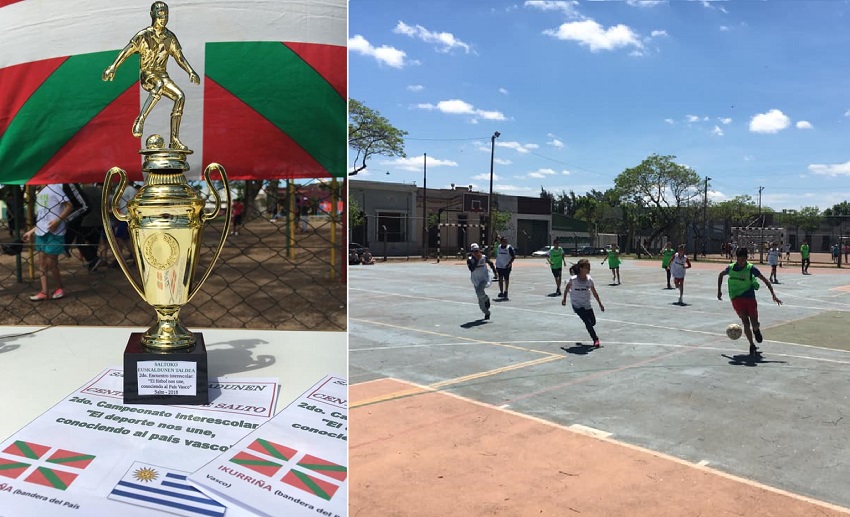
{"x": 208, "y": 216}
{"x": 106, "y": 207}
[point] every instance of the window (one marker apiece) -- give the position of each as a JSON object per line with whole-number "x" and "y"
{"x": 392, "y": 227}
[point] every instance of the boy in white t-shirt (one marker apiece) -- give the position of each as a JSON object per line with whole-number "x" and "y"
{"x": 580, "y": 286}
{"x": 52, "y": 208}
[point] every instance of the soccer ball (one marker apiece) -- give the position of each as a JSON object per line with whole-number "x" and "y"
{"x": 734, "y": 331}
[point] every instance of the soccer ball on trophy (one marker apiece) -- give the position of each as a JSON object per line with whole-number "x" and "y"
{"x": 734, "y": 331}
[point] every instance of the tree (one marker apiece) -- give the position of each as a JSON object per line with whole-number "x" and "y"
{"x": 369, "y": 134}
{"x": 665, "y": 187}
{"x": 355, "y": 215}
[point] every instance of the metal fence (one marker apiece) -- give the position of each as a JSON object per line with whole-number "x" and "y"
{"x": 285, "y": 269}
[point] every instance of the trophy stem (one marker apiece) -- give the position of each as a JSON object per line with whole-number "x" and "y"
{"x": 168, "y": 334}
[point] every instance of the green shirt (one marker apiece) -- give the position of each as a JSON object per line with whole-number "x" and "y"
{"x": 667, "y": 257}
{"x": 556, "y": 257}
{"x": 804, "y": 251}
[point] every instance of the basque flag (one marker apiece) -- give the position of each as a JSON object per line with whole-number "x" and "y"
{"x": 305, "y": 472}
{"x": 39, "y": 465}
{"x": 163, "y": 489}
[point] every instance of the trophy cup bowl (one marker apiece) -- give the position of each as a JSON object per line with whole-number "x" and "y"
{"x": 167, "y": 364}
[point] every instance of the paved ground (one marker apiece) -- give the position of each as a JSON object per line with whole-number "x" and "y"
{"x": 452, "y": 415}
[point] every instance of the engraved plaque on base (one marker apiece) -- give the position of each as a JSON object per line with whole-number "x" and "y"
{"x": 175, "y": 377}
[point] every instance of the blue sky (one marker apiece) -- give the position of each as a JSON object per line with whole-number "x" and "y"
{"x": 749, "y": 93}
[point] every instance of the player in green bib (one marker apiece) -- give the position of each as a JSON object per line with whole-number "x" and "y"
{"x": 613, "y": 259}
{"x": 666, "y": 258}
{"x": 742, "y": 285}
{"x": 556, "y": 262}
{"x": 804, "y": 254}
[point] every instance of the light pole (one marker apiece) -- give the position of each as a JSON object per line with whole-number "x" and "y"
{"x": 489, "y": 235}
{"x": 705, "y": 216}
{"x": 424, "y": 203}
{"x": 761, "y": 233}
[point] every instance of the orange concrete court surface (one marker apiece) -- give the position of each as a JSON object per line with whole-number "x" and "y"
{"x": 417, "y": 452}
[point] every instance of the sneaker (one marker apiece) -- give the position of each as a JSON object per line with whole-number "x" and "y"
{"x": 754, "y": 350}
{"x": 505, "y": 298}
{"x": 596, "y": 343}
{"x": 487, "y": 315}
{"x": 40, "y": 297}
{"x": 558, "y": 292}
{"x": 757, "y": 334}
{"x": 501, "y": 295}
{"x": 59, "y": 293}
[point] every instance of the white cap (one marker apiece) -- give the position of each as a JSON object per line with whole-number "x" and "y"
{"x": 473, "y": 247}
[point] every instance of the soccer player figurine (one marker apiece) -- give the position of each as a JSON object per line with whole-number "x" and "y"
{"x": 154, "y": 44}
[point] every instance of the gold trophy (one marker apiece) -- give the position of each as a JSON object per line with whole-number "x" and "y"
{"x": 168, "y": 363}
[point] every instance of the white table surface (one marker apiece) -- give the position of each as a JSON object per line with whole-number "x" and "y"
{"x": 40, "y": 366}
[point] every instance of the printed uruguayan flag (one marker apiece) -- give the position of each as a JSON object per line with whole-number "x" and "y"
{"x": 163, "y": 489}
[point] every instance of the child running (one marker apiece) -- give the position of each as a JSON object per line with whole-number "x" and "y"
{"x": 613, "y": 258}
{"x": 580, "y": 286}
{"x": 678, "y": 265}
{"x": 742, "y": 291}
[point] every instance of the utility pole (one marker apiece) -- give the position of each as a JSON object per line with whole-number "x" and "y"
{"x": 705, "y": 216}
{"x": 489, "y": 234}
{"x": 424, "y": 204}
{"x": 761, "y": 225}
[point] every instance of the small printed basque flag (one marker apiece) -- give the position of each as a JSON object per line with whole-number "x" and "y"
{"x": 268, "y": 458}
{"x": 42, "y": 464}
{"x": 163, "y": 489}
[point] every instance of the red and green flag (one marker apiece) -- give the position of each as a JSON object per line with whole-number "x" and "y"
{"x": 272, "y": 102}
{"x": 56, "y": 469}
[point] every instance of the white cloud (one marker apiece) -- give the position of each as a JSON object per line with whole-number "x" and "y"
{"x": 568, "y": 8}
{"x": 503, "y": 91}
{"x": 645, "y": 3}
{"x": 804, "y": 124}
{"x": 541, "y": 173}
{"x": 389, "y": 56}
{"x": 837, "y": 169}
{"x": 565, "y": 172}
{"x": 847, "y": 113}
{"x": 518, "y": 147}
{"x": 658, "y": 33}
{"x": 555, "y": 142}
{"x": 773, "y": 121}
{"x": 445, "y": 41}
{"x": 669, "y": 121}
{"x": 416, "y": 163}
{"x": 592, "y": 35}
{"x": 725, "y": 120}
{"x": 416, "y": 87}
{"x": 502, "y": 161}
{"x": 485, "y": 176}
{"x": 715, "y": 4}
{"x": 724, "y": 28}
{"x": 717, "y": 131}
{"x": 692, "y": 118}
{"x": 460, "y": 107}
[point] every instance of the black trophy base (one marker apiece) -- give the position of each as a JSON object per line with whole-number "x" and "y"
{"x": 162, "y": 381}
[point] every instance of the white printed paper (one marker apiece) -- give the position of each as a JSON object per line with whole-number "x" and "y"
{"x": 167, "y": 377}
{"x": 71, "y": 458}
{"x": 295, "y": 465}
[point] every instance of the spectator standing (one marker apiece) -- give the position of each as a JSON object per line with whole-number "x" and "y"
{"x": 52, "y": 209}
{"x": 236, "y": 216}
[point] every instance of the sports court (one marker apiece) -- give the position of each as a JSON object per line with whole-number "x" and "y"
{"x": 452, "y": 415}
